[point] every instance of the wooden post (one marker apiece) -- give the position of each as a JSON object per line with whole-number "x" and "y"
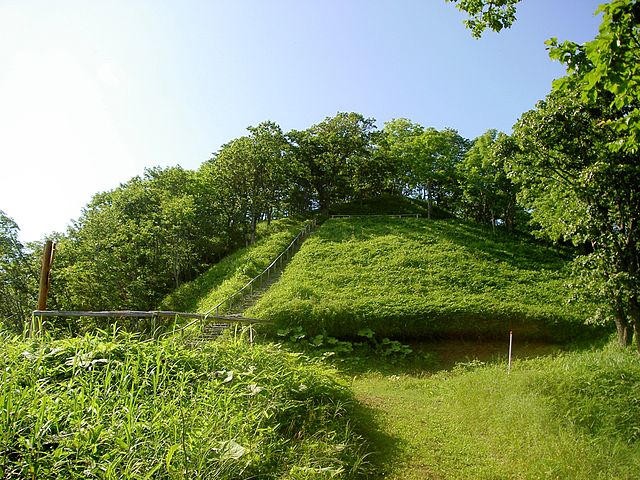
{"x": 47, "y": 259}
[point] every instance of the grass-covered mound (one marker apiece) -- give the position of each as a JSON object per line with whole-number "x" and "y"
{"x": 574, "y": 416}
{"x": 235, "y": 270}
{"x": 412, "y": 278}
{"x": 116, "y": 408}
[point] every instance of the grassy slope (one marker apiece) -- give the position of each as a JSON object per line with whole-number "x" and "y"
{"x": 235, "y": 270}
{"x": 116, "y": 408}
{"x": 417, "y": 277}
{"x": 574, "y": 416}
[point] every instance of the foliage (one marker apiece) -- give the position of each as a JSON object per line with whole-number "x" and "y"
{"x": 329, "y": 346}
{"x": 609, "y": 66}
{"x": 411, "y": 278}
{"x": 425, "y": 160}
{"x": 112, "y": 407}
{"x": 18, "y": 277}
{"x": 488, "y": 195}
{"x": 133, "y": 244}
{"x": 582, "y": 191}
{"x": 483, "y": 14}
{"x": 335, "y": 157}
{"x": 253, "y": 174}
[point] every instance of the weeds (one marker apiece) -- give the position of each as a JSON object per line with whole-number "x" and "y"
{"x": 112, "y": 407}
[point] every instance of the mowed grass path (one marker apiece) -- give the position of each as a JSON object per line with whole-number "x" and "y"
{"x": 477, "y": 422}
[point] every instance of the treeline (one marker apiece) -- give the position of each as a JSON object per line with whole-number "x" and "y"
{"x": 134, "y": 244}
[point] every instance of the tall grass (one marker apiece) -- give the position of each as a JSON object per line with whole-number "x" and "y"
{"x": 112, "y": 407}
{"x": 413, "y": 278}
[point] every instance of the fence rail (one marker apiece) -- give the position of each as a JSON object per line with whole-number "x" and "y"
{"x": 259, "y": 279}
{"x": 393, "y": 215}
{"x": 142, "y": 314}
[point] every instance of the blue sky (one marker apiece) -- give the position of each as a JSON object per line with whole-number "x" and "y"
{"x": 91, "y": 93}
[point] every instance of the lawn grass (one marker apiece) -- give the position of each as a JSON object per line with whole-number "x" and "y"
{"x": 416, "y": 278}
{"x": 565, "y": 416}
{"x": 235, "y": 270}
{"x": 111, "y": 407}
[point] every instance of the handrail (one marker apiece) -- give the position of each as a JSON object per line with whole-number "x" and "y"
{"x": 392, "y": 215}
{"x": 249, "y": 285}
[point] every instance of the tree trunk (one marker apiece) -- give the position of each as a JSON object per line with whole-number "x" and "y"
{"x": 625, "y": 335}
{"x": 634, "y": 314}
{"x": 254, "y": 223}
{"x": 429, "y": 200}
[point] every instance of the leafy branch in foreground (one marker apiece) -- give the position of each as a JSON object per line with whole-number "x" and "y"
{"x": 483, "y": 14}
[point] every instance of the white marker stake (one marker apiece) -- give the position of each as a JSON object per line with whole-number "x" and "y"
{"x": 510, "y": 343}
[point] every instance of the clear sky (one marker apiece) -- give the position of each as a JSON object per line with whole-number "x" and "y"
{"x": 93, "y": 92}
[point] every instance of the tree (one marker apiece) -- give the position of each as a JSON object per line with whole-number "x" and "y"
{"x": 331, "y": 154}
{"x": 584, "y": 141}
{"x": 427, "y": 160}
{"x": 579, "y": 189}
{"x": 17, "y": 277}
{"x": 488, "y": 195}
{"x": 133, "y": 244}
{"x": 252, "y": 173}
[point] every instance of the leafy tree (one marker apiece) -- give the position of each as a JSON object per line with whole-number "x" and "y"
{"x": 18, "y": 277}
{"x": 584, "y": 141}
{"x": 609, "y": 66}
{"x": 396, "y": 144}
{"x": 132, "y": 245}
{"x": 334, "y": 156}
{"x": 581, "y": 190}
{"x": 252, "y": 172}
{"x": 488, "y": 195}
{"x": 427, "y": 160}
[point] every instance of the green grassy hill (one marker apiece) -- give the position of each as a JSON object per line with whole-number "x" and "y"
{"x": 416, "y": 278}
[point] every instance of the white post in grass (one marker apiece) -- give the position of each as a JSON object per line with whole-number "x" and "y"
{"x": 510, "y": 344}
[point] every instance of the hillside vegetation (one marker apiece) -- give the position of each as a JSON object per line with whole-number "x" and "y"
{"x": 112, "y": 407}
{"x": 414, "y": 278}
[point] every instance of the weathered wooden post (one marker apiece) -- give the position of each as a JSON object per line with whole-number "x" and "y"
{"x": 45, "y": 282}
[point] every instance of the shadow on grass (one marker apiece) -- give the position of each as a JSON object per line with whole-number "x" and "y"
{"x": 384, "y": 449}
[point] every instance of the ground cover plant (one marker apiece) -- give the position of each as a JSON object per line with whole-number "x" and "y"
{"x": 235, "y": 270}
{"x": 112, "y": 407}
{"x": 569, "y": 415}
{"x": 413, "y": 278}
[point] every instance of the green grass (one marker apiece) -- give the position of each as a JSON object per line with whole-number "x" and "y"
{"x": 235, "y": 270}
{"x": 416, "y": 278}
{"x": 111, "y": 407}
{"x": 570, "y": 416}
